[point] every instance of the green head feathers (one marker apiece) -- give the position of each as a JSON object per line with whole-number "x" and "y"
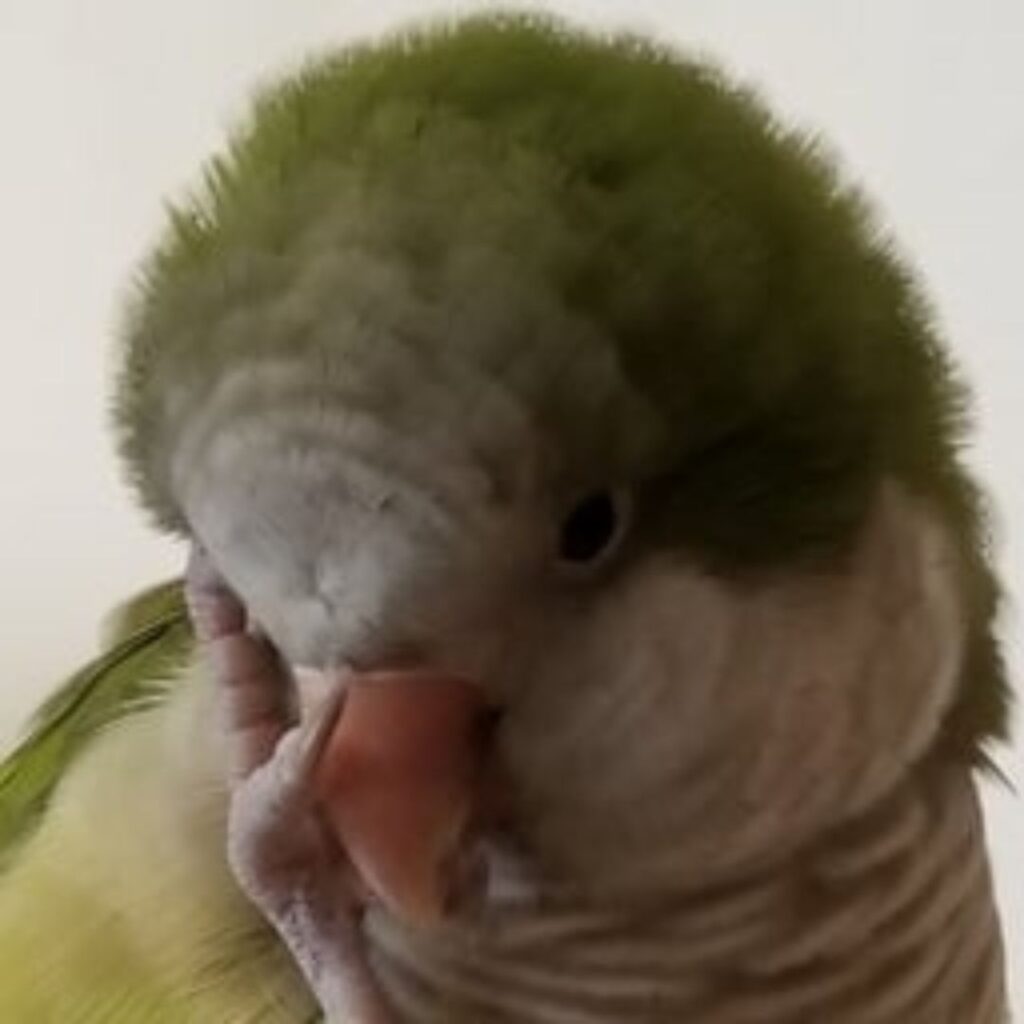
{"x": 684, "y": 294}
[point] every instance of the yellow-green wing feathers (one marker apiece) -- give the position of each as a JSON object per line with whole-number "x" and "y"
{"x": 116, "y": 902}
{"x": 149, "y": 640}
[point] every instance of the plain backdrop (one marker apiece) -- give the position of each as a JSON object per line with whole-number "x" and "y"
{"x": 107, "y": 107}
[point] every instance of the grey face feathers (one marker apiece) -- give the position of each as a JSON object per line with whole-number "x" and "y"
{"x": 438, "y": 292}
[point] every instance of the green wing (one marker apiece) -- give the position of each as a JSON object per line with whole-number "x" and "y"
{"x": 148, "y": 639}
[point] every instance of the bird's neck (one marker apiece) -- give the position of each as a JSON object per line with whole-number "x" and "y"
{"x": 888, "y": 918}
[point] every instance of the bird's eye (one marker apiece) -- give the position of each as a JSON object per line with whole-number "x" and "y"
{"x": 593, "y": 528}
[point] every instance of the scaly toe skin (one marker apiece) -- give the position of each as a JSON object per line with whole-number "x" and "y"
{"x": 282, "y": 854}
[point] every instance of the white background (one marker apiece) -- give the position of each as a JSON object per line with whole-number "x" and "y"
{"x": 108, "y": 106}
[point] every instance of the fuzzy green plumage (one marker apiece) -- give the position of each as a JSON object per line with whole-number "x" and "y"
{"x": 687, "y": 297}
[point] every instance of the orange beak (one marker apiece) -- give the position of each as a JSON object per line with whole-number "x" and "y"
{"x": 397, "y": 779}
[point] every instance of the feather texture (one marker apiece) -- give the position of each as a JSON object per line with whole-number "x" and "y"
{"x": 146, "y": 647}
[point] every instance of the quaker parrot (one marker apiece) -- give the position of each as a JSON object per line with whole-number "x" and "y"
{"x": 589, "y": 616}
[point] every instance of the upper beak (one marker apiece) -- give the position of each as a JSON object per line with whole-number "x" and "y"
{"x": 398, "y": 778}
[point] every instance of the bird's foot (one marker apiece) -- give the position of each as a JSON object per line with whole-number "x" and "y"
{"x": 283, "y": 855}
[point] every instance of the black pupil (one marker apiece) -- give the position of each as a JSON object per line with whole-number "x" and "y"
{"x": 589, "y": 528}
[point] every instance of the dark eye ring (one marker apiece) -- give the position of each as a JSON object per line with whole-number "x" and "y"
{"x": 593, "y": 527}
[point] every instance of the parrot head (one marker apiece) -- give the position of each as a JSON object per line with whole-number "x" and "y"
{"x": 554, "y": 362}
